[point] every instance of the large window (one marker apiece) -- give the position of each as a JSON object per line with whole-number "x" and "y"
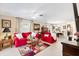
{"x": 25, "y": 25}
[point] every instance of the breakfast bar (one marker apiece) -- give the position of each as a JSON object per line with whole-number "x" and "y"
{"x": 70, "y": 48}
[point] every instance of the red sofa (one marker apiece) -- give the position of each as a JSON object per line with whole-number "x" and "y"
{"x": 47, "y": 37}
{"x": 19, "y": 42}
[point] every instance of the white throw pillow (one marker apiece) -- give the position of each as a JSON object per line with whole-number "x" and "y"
{"x": 46, "y": 35}
{"x": 19, "y": 35}
{"x": 33, "y": 34}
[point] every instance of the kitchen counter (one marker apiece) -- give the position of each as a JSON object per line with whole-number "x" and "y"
{"x": 70, "y": 48}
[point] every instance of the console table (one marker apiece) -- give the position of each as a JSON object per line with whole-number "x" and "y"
{"x": 70, "y": 48}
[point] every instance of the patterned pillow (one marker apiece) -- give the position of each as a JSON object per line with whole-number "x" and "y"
{"x": 31, "y": 36}
{"x": 19, "y": 35}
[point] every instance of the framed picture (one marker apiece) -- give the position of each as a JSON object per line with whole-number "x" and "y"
{"x": 68, "y": 25}
{"x": 36, "y": 26}
{"x": 6, "y": 23}
{"x": 64, "y": 27}
{"x": 53, "y": 27}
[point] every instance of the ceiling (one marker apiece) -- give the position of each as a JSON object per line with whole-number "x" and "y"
{"x": 51, "y": 12}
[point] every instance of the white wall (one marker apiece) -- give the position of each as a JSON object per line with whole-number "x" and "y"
{"x": 25, "y": 26}
{"x": 65, "y": 16}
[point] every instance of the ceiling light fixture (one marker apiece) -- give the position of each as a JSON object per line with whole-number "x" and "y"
{"x": 41, "y": 14}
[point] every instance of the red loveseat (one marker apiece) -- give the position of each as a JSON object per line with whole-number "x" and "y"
{"x": 48, "y": 37}
{"x": 19, "y": 42}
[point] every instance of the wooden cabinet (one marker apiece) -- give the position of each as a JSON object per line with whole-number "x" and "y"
{"x": 0, "y": 45}
{"x": 70, "y": 49}
{"x": 7, "y": 43}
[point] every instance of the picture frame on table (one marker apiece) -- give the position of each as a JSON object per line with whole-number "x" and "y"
{"x": 6, "y": 23}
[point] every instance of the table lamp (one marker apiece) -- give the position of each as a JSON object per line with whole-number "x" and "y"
{"x": 6, "y": 30}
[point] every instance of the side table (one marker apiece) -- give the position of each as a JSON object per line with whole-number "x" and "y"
{"x": 7, "y": 43}
{"x": 0, "y": 45}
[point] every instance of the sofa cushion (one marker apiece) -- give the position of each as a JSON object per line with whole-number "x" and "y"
{"x": 32, "y": 36}
{"x": 20, "y": 42}
{"x": 26, "y": 34}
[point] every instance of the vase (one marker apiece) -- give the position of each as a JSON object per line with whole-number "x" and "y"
{"x": 77, "y": 43}
{"x": 70, "y": 38}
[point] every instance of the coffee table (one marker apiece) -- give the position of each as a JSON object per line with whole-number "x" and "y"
{"x": 31, "y": 51}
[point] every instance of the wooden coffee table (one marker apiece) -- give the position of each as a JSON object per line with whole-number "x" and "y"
{"x": 33, "y": 48}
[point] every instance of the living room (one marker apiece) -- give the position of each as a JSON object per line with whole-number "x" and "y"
{"x": 17, "y": 20}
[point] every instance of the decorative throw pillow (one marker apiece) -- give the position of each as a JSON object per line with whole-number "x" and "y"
{"x": 46, "y": 35}
{"x": 19, "y": 36}
{"x": 26, "y": 34}
{"x": 31, "y": 36}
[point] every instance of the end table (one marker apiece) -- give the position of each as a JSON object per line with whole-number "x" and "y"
{"x": 0, "y": 45}
{"x": 7, "y": 43}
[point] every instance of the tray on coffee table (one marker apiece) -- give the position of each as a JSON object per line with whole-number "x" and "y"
{"x": 31, "y": 51}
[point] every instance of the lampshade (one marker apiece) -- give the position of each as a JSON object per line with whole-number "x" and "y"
{"x": 6, "y": 30}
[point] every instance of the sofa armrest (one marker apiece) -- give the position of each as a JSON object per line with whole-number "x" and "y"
{"x": 46, "y": 42}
